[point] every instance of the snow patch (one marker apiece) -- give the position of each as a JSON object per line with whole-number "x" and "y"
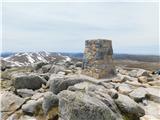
{"x": 30, "y": 59}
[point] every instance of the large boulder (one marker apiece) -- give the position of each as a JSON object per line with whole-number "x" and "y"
{"x": 29, "y": 82}
{"x": 62, "y": 83}
{"x": 80, "y": 106}
{"x": 128, "y": 107}
{"x": 10, "y": 103}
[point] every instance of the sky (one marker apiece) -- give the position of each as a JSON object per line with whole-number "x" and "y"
{"x": 64, "y": 26}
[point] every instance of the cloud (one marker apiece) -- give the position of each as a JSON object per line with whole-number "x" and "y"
{"x": 133, "y": 27}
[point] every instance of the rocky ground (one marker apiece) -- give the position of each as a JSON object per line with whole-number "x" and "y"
{"x": 59, "y": 91}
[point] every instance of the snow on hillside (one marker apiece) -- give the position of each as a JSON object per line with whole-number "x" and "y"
{"x": 28, "y": 58}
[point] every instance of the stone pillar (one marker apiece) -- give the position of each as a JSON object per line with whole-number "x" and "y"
{"x": 97, "y": 61}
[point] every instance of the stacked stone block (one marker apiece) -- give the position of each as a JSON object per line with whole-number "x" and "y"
{"x": 97, "y": 61}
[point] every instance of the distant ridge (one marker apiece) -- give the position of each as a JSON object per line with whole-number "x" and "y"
{"x": 79, "y": 55}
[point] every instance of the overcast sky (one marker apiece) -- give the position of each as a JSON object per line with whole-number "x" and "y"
{"x": 64, "y": 27}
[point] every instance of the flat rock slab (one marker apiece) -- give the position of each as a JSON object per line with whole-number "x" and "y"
{"x": 153, "y": 94}
{"x": 138, "y": 94}
{"x": 10, "y": 102}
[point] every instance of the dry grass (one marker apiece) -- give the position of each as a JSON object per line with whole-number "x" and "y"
{"x": 152, "y": 66}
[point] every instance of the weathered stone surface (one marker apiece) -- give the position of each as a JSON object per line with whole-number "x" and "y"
{"x": 142, "y": 72}
{"x": 29, "y": 82}
{"x": 37, "y": 96}
{"x": 153, "y": 94}
{"x": 10, "y": 102}
{"x": 39, "y": 64}
{"x": 148, "y": 117}
{"x": 56, "y": 68}
{"x": 142, "y": 79}
{"x": 46, "y": 68}
{"x": 124, "y": 89}
{"x": 138, "y": 94}
{"x": 79, "y": 106}
{"x": 132, "y": 73}
{"x": 62, "y": 83}
{"x": 45, "y": 76}
{"x": 19, "y": 116}
{"x": 152, "y": 108}
{"x": 128, "y": 107}
{"x": 97, "y": 60}
{"x": 25, "y": 92}
{"x": 155, "y": 83}
{"x": 50, "y": 101}
{"x": 78, "y": 64}
{"x": 130, "y": 78}
{"x": 32, "y": 106}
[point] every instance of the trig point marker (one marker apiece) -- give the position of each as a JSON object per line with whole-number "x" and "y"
{"x": 97, "y": 60}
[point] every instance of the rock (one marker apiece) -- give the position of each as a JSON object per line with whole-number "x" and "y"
{"x": 150, "y": 79}
{"x": 130, "y": 78}
{"x": 78, "y": 64}
{"x": 123, "y": 72}
{"x": 37, "y": 96}
{"x": 79, "y": 106}
{"x": 120, "y": 76}
{"x": 142, "y": 79}
{"x": 153, "y": 94}
{"x": 39, "y": 64}
{"x": 59, "y": 84}
{"x": 61, "y": 73}
{"x": 130, "y": 108}
{"x": 132, "y": 73}
{"x": 124, "y": 89}
{"x": 157, "y": 72}
{"x": 46, "y": 68}
{"x": 152, "y": 108}
{"x": 56, "y": 68}
{"x": 68, "y": 72}
{"x": 9, "y": 103}
{"x": 117, "y": 80}
{"x": 45, "y": 76}
{"x": 138, "y": 94}
{"x": 29, "y": 82}
{"x": 154, "y": 83}
{"x": 26, "y": 117}
{"x": 25, "y": 92}
{"x": 148, "y": 117}
{"x": 32, "y": 107}
{"x": 142, "y": 72}
{"x": 50, "y": 101}
{"x": 68, "y": 63}
{"x": 50, "y": 105}
{"x": 18, "y": 115}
